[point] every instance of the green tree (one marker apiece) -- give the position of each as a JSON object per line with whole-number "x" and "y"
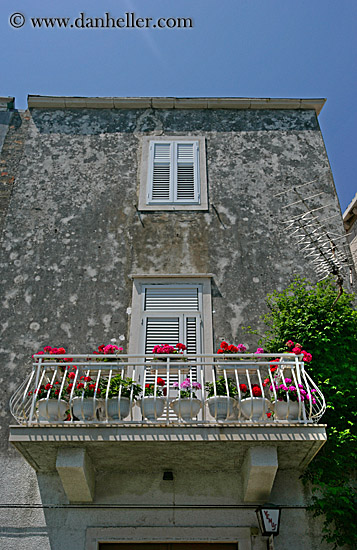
{"x": 308, "y": 314}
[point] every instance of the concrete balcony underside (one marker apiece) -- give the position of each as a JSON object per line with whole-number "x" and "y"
{"x": 201, "y": 446}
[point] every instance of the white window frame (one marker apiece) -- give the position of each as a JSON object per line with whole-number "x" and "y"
{"x": 200, "y": 201}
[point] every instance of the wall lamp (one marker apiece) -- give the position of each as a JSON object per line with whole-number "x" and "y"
{"x": 269, "y": 522}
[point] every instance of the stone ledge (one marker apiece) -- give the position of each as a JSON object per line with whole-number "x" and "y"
{"x": 52, "y": 102}
{"x": 175, "y": 446}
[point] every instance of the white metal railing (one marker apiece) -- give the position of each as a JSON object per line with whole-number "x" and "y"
{"x": 219, "y": 388}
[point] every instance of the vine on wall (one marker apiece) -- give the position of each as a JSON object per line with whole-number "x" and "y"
{"x": 307, "y": 313}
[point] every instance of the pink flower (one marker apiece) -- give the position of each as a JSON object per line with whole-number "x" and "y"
{"x": 289, "y": 344}
{"x": 307, "y": 357}
{"x": 296, "y": 350}
{"x": 47, "y": 349}
{"x": 110, "y": 348}
{"x": 259, "y": 350}
{"x": 241, "y": 348}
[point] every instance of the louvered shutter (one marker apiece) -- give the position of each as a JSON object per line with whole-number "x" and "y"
{"x": 186, "y": 172}
{"x": 173, "y": 175}
{"x": 160, "y": 189}
{"x": 161, "y": 298}
{"x": 161, "y": 330}
{"x": 171, "y": 315}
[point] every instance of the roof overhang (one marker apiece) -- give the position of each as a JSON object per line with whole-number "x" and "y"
{"x": 60, "y": 102}
{"x": 350, "y": 214}
{"x": 6, "y": 103}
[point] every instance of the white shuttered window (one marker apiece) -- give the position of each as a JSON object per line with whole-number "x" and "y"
{"x": 172, "y": 314}
{"x": 173, "y": 175}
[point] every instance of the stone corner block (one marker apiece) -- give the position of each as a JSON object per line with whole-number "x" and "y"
{"x": 76, "y": 471}
{"x": 259, "y": 470}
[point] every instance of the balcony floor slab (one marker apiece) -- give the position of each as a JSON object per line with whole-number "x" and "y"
{"x": 202, "y": 446}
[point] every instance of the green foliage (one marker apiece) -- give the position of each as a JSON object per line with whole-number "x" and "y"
{"x": 306, "y": 313}
{"x": 126, "y": 386}
{"x": 221, "y": 387}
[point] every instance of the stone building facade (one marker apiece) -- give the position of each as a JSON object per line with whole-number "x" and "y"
{"x": 92, "y": 222}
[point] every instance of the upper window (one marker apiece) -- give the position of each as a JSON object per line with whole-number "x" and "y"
{"x": 173, "y": 174}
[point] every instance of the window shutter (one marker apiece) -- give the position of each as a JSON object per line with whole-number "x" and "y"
{"x": 160, "y": 298}
{"x": 191, "y": 334}
{"x": 186, "y": 172}
{"x": 161, "y": 330}
{"x": 171, "y": 315}
{"x": 161, "y": 165}
{"x": 173, "y": 175}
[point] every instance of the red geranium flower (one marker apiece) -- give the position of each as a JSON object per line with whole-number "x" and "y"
{"x": 160, "y": 382}
{"x": 224, "y": 345}
{"x": 48, "y": 386}
{"x": 80, "y": 386}
{"x": 256, "y": 391}
{"x": 71, "y": 375}
{"x": 243, "y": 388}
{"x": 180, "y": 346}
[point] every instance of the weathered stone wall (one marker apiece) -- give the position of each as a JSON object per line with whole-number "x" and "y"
{"x": 73, "y": 235}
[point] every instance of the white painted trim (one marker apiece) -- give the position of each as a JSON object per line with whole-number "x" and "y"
{"x": 171, "y": 275}
{"x": 135, "y": 534}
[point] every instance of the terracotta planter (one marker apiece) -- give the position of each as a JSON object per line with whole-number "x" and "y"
{"x": 51, "y": 410}
{"x": 152, "y": 407}
{"x": 286, "y": 411}
{"x": 85, "y": 409}
{"x": 222, "y": 407}
{"x": 255, "y": 408}
{"x": 186, "y": 408}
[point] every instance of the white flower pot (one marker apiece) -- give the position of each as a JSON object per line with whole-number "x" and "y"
{"x": 222, "y": 407}
{"x": 117, "y": 409}
{"x": 52, "y": 410}
{"x": 255, "y": 408}
{"x": 85, "y": 409}
{"x": 286, "y": 411}
{"x": 186, "y": 408}
{"x": 152, "y": 407}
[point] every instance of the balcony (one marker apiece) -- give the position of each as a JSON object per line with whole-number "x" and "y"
{"x": 229, "y": 411}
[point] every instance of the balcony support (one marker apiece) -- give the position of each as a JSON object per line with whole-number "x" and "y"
{"x": 259, "y": 469}
{"x": 76, "y": 471}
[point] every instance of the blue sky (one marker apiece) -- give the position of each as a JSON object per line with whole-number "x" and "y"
{"x": 243, "y": 48}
